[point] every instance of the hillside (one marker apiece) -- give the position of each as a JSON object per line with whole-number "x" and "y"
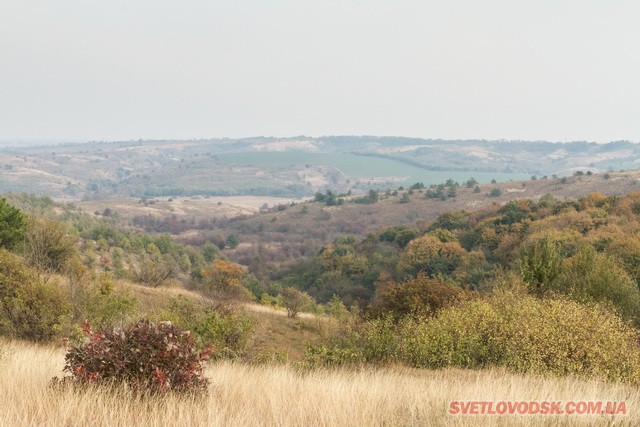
{"x": 299, "y": 231}
{"x": 552, "y": 279}
{"x": 288, "y": 167}
{"x": 292, "y": 229}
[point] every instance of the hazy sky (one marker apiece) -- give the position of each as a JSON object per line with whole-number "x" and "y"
{"x": 112, "y": 69}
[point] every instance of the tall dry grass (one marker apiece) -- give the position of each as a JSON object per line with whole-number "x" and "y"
{"x": 244, "y": 395}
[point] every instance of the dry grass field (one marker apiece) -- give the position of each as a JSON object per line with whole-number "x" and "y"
{"x": 247, "y": 395}
{"x": 198, "y": 207}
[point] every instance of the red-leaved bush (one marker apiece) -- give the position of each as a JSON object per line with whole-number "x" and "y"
{"x": 149, "y": 357}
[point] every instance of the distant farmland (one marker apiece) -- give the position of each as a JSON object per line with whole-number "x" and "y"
{"x": 370, "y": 170}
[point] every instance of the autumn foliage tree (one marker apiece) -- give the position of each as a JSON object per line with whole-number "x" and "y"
{"x": 222, "y": 281}
{"x": 421, "y": 296}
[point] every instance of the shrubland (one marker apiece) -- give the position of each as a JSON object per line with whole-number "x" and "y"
{"x": 544, "y": 287}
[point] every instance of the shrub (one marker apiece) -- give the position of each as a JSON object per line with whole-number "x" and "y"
{"x": 155, "y": 269}
{"x": 495, "y": 192}
{"x": 226, "y": 331}
{"x": 336, "y": 308}
{"x": 508, "y": 329}
{"x": 418, "y": 296}
{"x": 48, "y": 245}
{"x": 12, "y": 225}
{"x": 452, "y": 221}
{"x": 29, "y": 308}
{"x": 105, "y": 305}
{"x": 401, "y": 235}
{"x": 372, "y": 341}
{"x": 428, "y": 254}
{"x": 233, "y": 240}
{"x": 528, "y": 335}
{"x": 294, "y": 300}
{"x": 540, "y": 264}
{"x": 590, "y": 276}
{"x": 148, "y": 357}
{"x": 222, "y": 282}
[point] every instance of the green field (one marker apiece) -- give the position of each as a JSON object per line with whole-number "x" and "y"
{"x": 362, "y": 167}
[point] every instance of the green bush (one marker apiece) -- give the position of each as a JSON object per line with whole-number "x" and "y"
{"x": 590, "y": 276}
{"x": 48, "y": 245}
{"x": 495, "y": 192}
{"x": 29, "y": 309}
{"x": 359, "y": 342}
{"x": 294, "y": 300}
{"x": 540, "y": 264}
{"x": 513, "y": 330}
{"x": 12, "y": 225}
{"x": 528, "y": 335}
{"x": 228, "y": 332}
{"x": 107, "y": 306}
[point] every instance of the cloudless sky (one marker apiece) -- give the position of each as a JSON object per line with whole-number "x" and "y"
{"x": 127, "y": 69}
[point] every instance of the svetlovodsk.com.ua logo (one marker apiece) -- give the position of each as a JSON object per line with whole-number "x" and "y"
{"x": 537, "y": 408}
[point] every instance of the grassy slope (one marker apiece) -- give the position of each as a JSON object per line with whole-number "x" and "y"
{"x": 273, "y": 333}
{"x": 280, "y": 395}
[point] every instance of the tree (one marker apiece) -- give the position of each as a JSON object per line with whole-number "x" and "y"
{"x": 156, "y": 269}
{"x": 233, "y": 241}
{"x": 540, "y": 265}
{"x": 222, "y": 281}
{"x": 421, "y": 296}
{"x": 29, "y": 308}
{"x": 471, "y": 183}
{"x": 591, "y": 276}
{"x": 451, "y": 221}
{"x": 12, "y": 225}
{"x": 48, "y": 246}
{"x": 210, "y": 251}
{"x": 294, "y": 300}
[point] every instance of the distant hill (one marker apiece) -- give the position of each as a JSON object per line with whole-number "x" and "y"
{"x": 289, "y": 167}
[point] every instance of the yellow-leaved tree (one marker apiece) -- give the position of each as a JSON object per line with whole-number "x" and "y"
{"x": 222, "y": 282}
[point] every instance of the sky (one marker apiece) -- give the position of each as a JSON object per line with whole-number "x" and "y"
{"x": 557, "y": 70}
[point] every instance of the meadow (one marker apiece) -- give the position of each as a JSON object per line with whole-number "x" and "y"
{"x": 250, "y": 395}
